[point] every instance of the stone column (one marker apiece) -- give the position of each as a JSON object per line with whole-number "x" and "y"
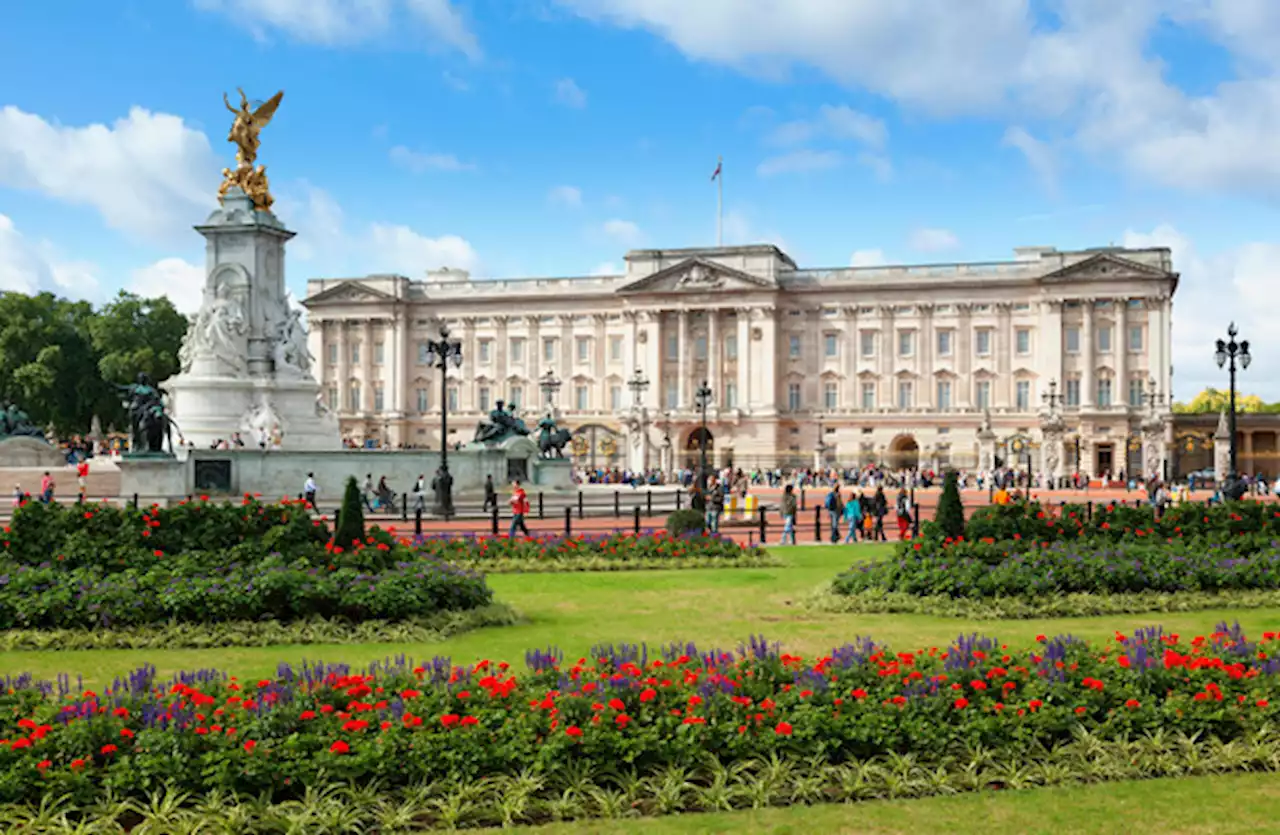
{"x": 964, "y": 357}
{"x": 849, "y": 358}
{"x": 1120, "y": 346}
{"x": 1222, "y": 449}
{"x": 767, "y": 375}
{"x": 366, "y": 367}
{"x": 1088, "y": 390}
{"x": 682, "y": 361}
{"x": 925, "y": 345}
{"x": 1049, "y": 345}
{"x": 564, "y": 364}
{"x": 1246, "y": 453}
{"x": 888, "y": 356}
{"x": 714, "y": 358}
{"x": 1002, "y": 396}
{"x": 344, "y": 367}
{"x": 744, "y": 359}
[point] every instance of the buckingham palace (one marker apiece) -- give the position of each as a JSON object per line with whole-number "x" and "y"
{"x": 901, "y": 365}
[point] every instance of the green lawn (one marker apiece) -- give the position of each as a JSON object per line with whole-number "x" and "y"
{"x": 720, "y": 607}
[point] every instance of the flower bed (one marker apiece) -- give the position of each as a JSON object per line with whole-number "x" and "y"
{"x": 648, "y": 549}
{"x": 625, "y": 709}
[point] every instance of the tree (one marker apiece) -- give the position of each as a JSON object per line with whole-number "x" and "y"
{"x": 1213, "y": 401}
{"x": 131, "y": 336}
{"x": 950, "y": 515}
{"x": 349, "y": 527}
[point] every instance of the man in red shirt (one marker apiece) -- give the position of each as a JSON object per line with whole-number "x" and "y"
{"x": 82, "y": 476}
{"x": 519, "y": 507}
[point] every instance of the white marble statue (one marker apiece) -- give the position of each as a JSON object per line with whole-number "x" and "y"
{"x": 290, "y": 351}
{"x": 263, "y": 424}
{"x": 216, "y": 330}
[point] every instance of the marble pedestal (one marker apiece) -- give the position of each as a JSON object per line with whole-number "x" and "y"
{"x": 152, "y": 478}
{"x": 207, "y": 409}
{"x": 30, "y": 452}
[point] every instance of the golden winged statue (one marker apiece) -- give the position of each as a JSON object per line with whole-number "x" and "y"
{"x": 248, "y": 123}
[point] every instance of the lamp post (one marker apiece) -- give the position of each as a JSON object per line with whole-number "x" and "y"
{"x": 821, "y": 446}
{"x": 1153, "y": 399}
{"x": 1227, "y": 353}
{"x": 1051, "y": 397}
{"x": 441, "y": 353}
{"x": 638, "y": 384}
{"x": 703, "y": 398}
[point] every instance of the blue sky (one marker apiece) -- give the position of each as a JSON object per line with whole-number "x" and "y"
{"x": 538, "y": 137}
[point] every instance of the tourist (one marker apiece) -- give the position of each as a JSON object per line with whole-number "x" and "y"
{"x": 366, "y": 492}
{"x": 519, "y": 509}
{"x": 18, "y": 496}
{"x": 82, "y": 478}
{"x": 490, "y": 494}
{"x": 715, "y": 505}
{"x": 789, "y": 514}
{"x": 420, "y": 494}
{"x": 903, "y": 508}
{"x": 385, "y": 497}
{"x": 834, "y": 507}
{"x": 879, "y": 508}
{"x": 852, "y": 518}
{"x": 309, "y": 490}
{"x": 46, "y": 487}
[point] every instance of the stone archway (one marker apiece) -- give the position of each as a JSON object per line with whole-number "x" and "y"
{"x": 693, "y": 448}
{"x": 904, "y": 453}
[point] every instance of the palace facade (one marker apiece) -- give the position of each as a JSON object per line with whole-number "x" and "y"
{"x": 895, "y": 364}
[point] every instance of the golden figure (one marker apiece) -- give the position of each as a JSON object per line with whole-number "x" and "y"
{"x": 248, "y": 123}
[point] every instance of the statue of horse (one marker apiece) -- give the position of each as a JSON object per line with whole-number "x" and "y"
{"x": 551, "y": 442}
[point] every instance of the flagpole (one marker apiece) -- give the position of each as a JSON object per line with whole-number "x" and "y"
{"x": 720, "y": 202}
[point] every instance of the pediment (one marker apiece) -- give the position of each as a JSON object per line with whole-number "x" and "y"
{"x": 347, "y": 291}
{"x": 1105, "y": 265}
{"x": 697, "y": 275}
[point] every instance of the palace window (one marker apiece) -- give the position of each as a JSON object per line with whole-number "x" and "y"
{"x": 333, "y": 398}
{"x": 353, "y": 397}
{"x": 583, "y": 346}
{"x": 515, "y": 395}
{"x": 700, "y": 347}
{"x": 1104, "y": 339}
{"x": 333, "y": 353}
{"x": 731, "y": 395}
{"x": 830, "y": 345}
{"x": 982, "y": 342}
{"x": 673, "y": 394}
{"x": 517, "y": 349}
{"x": 1022, "y": 395}
{"x": 868, "y": 347}
{"x": 485, "y": 348}
{"x": 793, "y": 396}
{"x": 615, "y": 348}
{"x": 1022, "y": 337}
{"x": 615, "y": 398}
{"x": 453, "y": 398}
{"x": 982, "y": 394}
{"x": 1104, "y": 393}
{"x": 830, "y": 396}
{"x": 793, "y": 344}
{"x": 944, "y": 343}
{"x": 731, "y": 346}
{"x": 482, "y": 398}
{"x": 379, "y": 353}
{"x": 944, "y": 395}
{"x": 1135, "y": 338}
{"x": 906, "y": 394}
{"x": 1135, "y": 391}
{"x": 378, "y": 402}
{"x": 581, "y": 398}
{"x": 1072, "y": 340}
{"x": 673, "y": 346}
{"x": 868, "y": 396}
{"x": 549, "y": 349}
{"x": 424, "y": 402}
{"x": 906, "y": 343}
{"x": 355, "y": 352}
{"x": 1072, "y": 393}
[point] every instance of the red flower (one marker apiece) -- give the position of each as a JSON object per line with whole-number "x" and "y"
{"x": 468, "y": 721}
{"x": 108, "y": 749}
{"x": 449, "y": 720}
{"x": 339, "y": 747}
{"x": 859, "y": 693}
{"x": 1133, "y": 704}
{"x": 1035, "y": 704}
{"x": 1262, "y": 703}
{"x": 43, "y": 764}
{"x": 249, "y": 745}
{"x": 307, "y": 714}
{"x": 783, "y": 729}
{"x": 617, "y": 704}
{"x": 648, "y": 694}
{"x": 78, "y": 763}
{"x": 573, "y": 731}
{"x": 961, "y": 703}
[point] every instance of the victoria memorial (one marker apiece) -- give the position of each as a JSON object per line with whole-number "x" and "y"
{"x": 899, "y": 365}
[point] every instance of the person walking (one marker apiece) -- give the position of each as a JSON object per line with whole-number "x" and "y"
{"x": 715, "y": 505}
{"x": 420, "y": 494}
{"x": 852, "y": 518}
{"x": 309, "y": 490}
{"x": 789, "y": 514}
{"x": 82, "y": 478}
{"x": 519, "y": 509}
{"x": 490, "y": 494}
{"x": 834, "y": 507}
{"x": 366, "y": 492}
{"x": 47, "y": 486}
{"x": 902, "y": 505}
{"x": 880, "y": 508}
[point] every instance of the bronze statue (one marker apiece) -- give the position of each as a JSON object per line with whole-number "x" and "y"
{"x": 147, "y": 416}
{"x": 502, "y": 424}
{"x": 244, "y": 133}
{"x": 14, "y": 423}
{"x": 552, "y": 439}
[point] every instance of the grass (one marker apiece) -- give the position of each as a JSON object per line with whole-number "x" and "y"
{"x": 721, "y": 607}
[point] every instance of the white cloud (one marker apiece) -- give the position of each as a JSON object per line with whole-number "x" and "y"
{"x": 933, "y": 240}
{"x": 799, "y": 162}
{"x": 867, "y": 258}
{"x": 833, "y": 122}
{"x": 400, "y": 249}
{"x": 879, "y": 165}
{"x": 607, "y": 268}
{"x": 1038, "y": 154}
{"x": 180, "y": 281}
{"x": 348, "y": 22}
{"x": 624, "y": 232}
{"x": 569, "y": 94}
{"x": 28, "y": 266}
{"x": 1088, "y": 68}
{"x": 565, "y": 196}
{"x": 1236, "y": 285}
{"x": 454, "y": 82}
{"x": 420, "y": 163}
{"x": 147, "y": 175}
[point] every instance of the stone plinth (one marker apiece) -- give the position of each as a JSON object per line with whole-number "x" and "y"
{"x": 153, "y": 478}
{"x": 553, "y": 474}
{"x": 21, "y": 451}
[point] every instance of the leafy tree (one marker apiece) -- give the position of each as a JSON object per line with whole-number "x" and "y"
{"x": 950, "y": 515}
{"x": 134, "y": 335}
{"x": 349, "y": 528}
{"x": 1213, "y": 401}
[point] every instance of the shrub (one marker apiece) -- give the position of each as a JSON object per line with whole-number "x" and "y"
{"x": 683, "y": 522}
{"x": 350, "y": 523}
{"x": 949, "y": 518}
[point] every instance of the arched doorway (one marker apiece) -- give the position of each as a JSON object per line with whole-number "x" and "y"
{"x": 693, "y": 448}
{"x": 904, "y": 453}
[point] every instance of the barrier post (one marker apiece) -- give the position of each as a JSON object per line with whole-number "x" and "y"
{"x": 635, "y": 522}
{"x": 493, "y": 518}
{"x": 817, "y": 524}
{"x": 568, "y": 521}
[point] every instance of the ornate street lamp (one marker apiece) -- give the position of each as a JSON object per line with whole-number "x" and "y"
{"x": 550, "y": 384}
{"x": 1051, "y": 397}
{"x": 1154, "y": 400}
{"x": 442, "y": 353}
{"x": 638, "y": 384}
{"x": 703, "y": 398}
{"x": 1227, "y": 354}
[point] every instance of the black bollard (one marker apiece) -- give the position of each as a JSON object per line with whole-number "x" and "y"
{"x": 635, "y": 525}
{"x": 135, "y": 501}
{"x": 493, "y": 520}
{"x": 417, "y": 522}
{"x": 579, "y": 504}
{"x": 764, "y": 524}
{"x": 802, "y": 498}
{"x": 617, "y": 505}
{"x": 404, "y": 508}
{"x": 817, "y": 524}
{"x": 648, "y": 503}
{"x": 540, "y": 516}
{"x": 679, "y": 494}
{"x": 915, "y": 520}
{"x": 568, "y": 521}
